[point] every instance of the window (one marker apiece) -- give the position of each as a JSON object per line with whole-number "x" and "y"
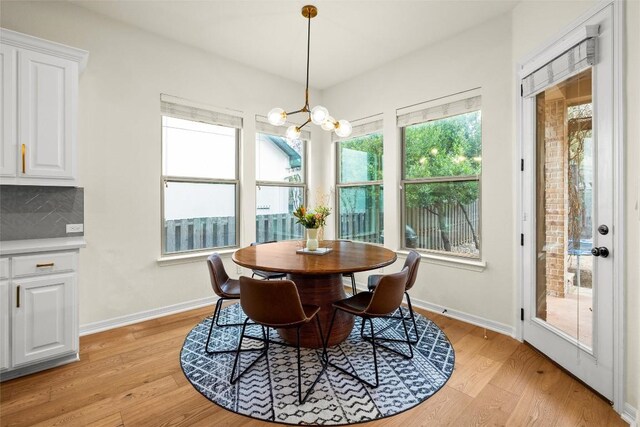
{"x": 280, "y": 183}
{"x": 359, "y": 185}
{"x": 441, "y": 166}
{"x": 200, "y": 179}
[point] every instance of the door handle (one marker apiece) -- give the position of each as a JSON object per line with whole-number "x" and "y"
{"x": 18, "y": 297}
{"x": 601, "y": 251}
{"x": 24, "y": 160}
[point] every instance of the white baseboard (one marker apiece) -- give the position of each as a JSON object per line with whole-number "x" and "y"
{"x": 459, "y": 315}
{"x": 116, "y": 322}
{"x": 629, "y": 415}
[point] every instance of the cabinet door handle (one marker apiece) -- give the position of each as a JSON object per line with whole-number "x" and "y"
{"x": 46, "y": 264}
{"x": 24, "y": 158}
{"x": 18, "y": 297}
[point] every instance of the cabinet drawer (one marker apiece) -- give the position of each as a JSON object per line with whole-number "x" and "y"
{"x": 46, "y": 263}
{"x": 4, "y": 268}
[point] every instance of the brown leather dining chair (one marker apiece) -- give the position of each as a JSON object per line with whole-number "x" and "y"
{"x": 412, "y": 263}
{"x": 384, "y": 300}
{"x": 276, "y": 305}
{"x": 267, "y": 275}
{"x": 226, "y": 289}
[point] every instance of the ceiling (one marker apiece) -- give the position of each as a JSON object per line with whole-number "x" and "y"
{"x": 348, "y": 37}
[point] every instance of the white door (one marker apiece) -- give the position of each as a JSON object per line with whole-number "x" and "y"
{"x": 46, "y": 113}
{"x": 43, "y": 318}
{"x": 568, "y": 204}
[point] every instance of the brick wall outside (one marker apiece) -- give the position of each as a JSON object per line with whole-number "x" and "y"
{"x": 556, "y": 195}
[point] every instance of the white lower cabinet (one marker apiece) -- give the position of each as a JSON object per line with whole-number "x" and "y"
{"x": 38, "y": 312}
{"x": 43, "y": 318}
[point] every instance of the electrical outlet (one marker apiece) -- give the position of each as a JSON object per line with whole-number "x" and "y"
{"x": 381, "y": 270}
{"x": 238, "y": 269}
{"x": 75, "y": 228}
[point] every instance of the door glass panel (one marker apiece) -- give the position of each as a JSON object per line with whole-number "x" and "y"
{"x": 564, "y": 191}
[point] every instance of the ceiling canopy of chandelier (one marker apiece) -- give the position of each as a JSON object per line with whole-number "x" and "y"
{"x": 318, "y": 115}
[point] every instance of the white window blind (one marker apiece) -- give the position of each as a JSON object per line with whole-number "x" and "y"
{"x": 440, "y": 111}
{"x": 185, "y": 111}
{"x": 263, "y": 127}
{"x": 569, "y": 63}
{"x": 373, "y": 126}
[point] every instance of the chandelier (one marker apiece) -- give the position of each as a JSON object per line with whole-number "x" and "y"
{"x": 318, "y": 115}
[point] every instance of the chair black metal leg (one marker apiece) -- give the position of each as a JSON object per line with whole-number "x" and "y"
{"x": 403, "y": 318}
{"x": 353, "y": 375}
{"x": 235, "y": 360}
{"x": 299, "y": 373}
{"x": 413, "y": 318}
{"x": 221, "y": 300}
{"x": 353, "y": 284}
{"x": 406, "y": 340}
{"x": 375, "y": 357}
{"x": 406, "y": 334}
{"x": 239, "y": 350}
{"x": 333, "y": 317}
{"x": 213, "y": 321}
{"x": 302, "y": 398}
{"x": 322, "y": 343}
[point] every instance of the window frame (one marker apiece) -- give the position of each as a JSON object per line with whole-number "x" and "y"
{"x": 264, "y": 183}
{"x": 166, "y": 179}
{"x": 453, "y": 256}
{"x": 339, "y": 185}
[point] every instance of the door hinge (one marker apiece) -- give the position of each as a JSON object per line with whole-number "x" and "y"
{"x": 521, "y": 239}
{"x": 521, "y": 164}
{"x": 522, "y": 314}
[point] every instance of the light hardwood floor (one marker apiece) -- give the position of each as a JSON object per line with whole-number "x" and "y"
{"x": 131, "y": 376}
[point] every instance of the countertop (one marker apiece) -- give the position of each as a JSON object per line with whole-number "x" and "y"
{"x": 12, "y": 247}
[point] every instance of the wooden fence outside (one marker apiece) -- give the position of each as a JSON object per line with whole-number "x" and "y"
{"x": 362, "y": 227}
{"x": 426, "y": 225}
{"x": 197, "y": 233}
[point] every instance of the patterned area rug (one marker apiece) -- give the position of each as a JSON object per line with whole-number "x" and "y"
{"x": 269, "y": 390}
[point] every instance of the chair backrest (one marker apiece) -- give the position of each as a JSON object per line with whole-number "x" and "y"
{"x": 389, "y": 293}
{"x": 273, "y": 303}
{"x": 412, "y": 263}
{"x": 217, "y": 273}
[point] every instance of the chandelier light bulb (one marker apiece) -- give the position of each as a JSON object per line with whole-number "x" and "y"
{"x": 277, "y": 117}
{"x": 343, "y": 129}
{"x": 329, "y": 123}
{"x": 293, "y": 132}
{"x": 319, "y": 114}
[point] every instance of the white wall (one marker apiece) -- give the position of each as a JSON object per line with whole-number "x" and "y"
{"x": 480, "y": 58}
{"x": 120, "y": 146}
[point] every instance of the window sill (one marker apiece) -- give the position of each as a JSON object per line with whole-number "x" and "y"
{"x": 190, "y": 257}
{"x": 465, "y": 264}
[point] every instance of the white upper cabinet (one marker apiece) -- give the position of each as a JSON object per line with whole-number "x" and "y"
{"x": 39, "y": 110}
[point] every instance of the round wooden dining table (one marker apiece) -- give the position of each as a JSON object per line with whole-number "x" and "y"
{"x": 318, "y": 279}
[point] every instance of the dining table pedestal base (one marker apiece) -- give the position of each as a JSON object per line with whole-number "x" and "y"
{"x": 321, "y": 290}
